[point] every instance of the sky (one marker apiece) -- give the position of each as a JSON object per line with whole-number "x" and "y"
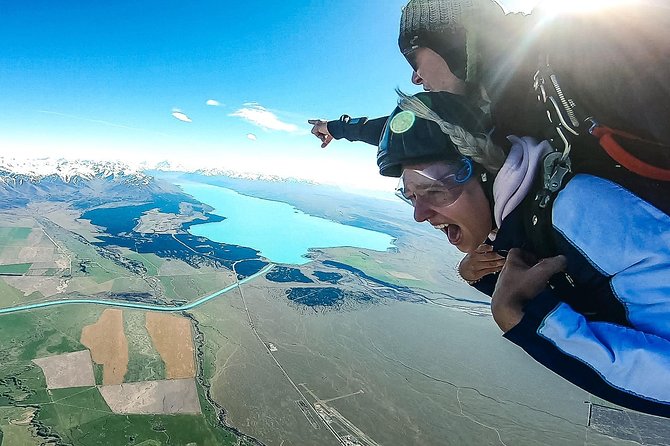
{"x": 225, "y": 84}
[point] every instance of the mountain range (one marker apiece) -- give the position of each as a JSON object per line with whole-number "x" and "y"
{"x": 80, "y": 182}
{"x": 90, "y": 183}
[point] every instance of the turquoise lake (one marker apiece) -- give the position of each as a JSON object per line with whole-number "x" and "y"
{"x": 280, "y": 232}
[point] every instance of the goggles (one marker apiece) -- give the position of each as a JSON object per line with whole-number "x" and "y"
{"x": 410, "y": 55}
{"x": 439, "y": 184}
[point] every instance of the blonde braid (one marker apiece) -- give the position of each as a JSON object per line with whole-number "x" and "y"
{"x": 481, "y": 149}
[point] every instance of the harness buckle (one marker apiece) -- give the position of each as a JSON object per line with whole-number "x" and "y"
{"x": 554, "y": 170}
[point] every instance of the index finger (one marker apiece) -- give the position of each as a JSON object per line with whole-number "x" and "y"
{"x": 313, "y": 121}
{"x": 484, "y": 248}
{"x": 519, "y": 257}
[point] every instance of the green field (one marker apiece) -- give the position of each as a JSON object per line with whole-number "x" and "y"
{"x": 10, "y": 296}
{"x": 81, "y": 416}
{"x": 150, "y": 261}
{"x": 144, "y": 362}
{"x": 9, "y": 234}
{"x": 193, "y": 286}
{"x": 378, "y": 270}
{"x": 11, "y": 237}
{"x": 15, "y": 269}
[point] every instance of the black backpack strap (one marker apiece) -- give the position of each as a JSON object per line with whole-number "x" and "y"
{"x": 552, "y": 176}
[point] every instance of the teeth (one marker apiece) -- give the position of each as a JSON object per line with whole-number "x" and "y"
{"x": 440, "y": 227}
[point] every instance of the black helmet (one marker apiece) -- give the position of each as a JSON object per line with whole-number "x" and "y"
{"x": 409, "y": 139}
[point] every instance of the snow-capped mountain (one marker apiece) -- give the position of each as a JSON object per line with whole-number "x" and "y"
{"x": 168, "y": 166}
{"x": 69, "y": 171}
{"x": 80, "y": 181}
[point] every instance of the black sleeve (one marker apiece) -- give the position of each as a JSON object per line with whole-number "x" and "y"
{"x": 358, "y": 129}
{"x": 487, "y": 284}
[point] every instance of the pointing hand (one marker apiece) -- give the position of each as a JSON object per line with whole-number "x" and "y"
{"x": 320, "y": 130}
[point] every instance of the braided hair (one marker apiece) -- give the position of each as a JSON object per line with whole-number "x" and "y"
{"x": 480, "y": 149}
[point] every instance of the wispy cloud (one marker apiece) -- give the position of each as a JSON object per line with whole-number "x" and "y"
{"x": 213, "y": 102}
{"x": 181, "y": 116}
{"x": 251, "y": 136}
{"x": 264, "y": 118}
{"x": 98, "y": 121}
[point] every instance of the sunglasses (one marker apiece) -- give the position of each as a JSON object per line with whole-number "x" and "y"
{"x": 410, "y": 55}
{"x": 439, "y": 184}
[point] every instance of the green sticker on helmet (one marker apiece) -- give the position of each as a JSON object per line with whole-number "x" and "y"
{"x": 402, "y": 122}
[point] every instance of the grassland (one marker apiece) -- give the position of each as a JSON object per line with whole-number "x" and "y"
{"x": 15, "y": 427}
{"x": 12, "y": 234}
{"x": 10, "y": 296}
{"x": 145, "y": 363}
{"x": 65, "y": 263}
{"x": 150, "y": 261}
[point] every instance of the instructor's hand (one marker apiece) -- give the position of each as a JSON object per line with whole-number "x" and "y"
{"x": 521, "y": 279}
{"x": 320, "y": 130}
{"x": 481, "y": 262}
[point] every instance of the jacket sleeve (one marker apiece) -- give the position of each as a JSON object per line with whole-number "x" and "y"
{"x": 487, "y": 284}
{"x": 619, "y": 364}
{"x": 358, "y": 129}
{"x": 627, "y": 363}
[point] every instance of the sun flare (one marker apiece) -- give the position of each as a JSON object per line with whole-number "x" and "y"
{"x": 581, "y": 6}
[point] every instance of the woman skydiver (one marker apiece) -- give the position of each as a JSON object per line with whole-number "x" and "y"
{"x": 598, "y": 312}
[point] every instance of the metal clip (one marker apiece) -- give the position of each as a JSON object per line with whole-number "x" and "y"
{"x": 538, "y": 86}
{"x": 555, "y": 168}
{"x": 566, "y": 143}
{"x": 592, "y": 121}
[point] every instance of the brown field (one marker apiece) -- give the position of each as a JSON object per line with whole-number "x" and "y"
{"x": 108, "y": 344}
{"x": 172, "y": 338}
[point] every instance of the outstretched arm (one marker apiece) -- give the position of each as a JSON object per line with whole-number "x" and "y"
{"x": 351, "y": 129}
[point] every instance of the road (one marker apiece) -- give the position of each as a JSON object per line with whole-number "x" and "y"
{"x": 140, "y": 306}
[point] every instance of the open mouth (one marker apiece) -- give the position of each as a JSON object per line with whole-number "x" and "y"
{"x": 452, "y": 231}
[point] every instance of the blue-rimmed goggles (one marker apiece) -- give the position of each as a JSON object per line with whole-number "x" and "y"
{"x": 439, "y": 184}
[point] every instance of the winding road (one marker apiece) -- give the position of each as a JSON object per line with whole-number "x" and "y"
{"x": 113, "y": 303}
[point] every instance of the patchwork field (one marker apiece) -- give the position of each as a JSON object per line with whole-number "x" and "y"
{"x": 80, "y": 415}
{"x": 60, "y": 359}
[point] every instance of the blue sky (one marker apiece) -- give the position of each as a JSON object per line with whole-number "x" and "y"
{"x": 101, "y": 80}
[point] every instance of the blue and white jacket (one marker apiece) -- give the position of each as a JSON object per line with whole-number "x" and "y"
{"x": 609, "y": 333}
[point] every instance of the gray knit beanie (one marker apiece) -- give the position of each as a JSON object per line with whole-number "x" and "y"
{"x": 433, "y": 15}
{"x": 441, "y": 26}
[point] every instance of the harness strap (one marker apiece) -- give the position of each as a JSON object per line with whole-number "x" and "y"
{"x": 622, "y": 156}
